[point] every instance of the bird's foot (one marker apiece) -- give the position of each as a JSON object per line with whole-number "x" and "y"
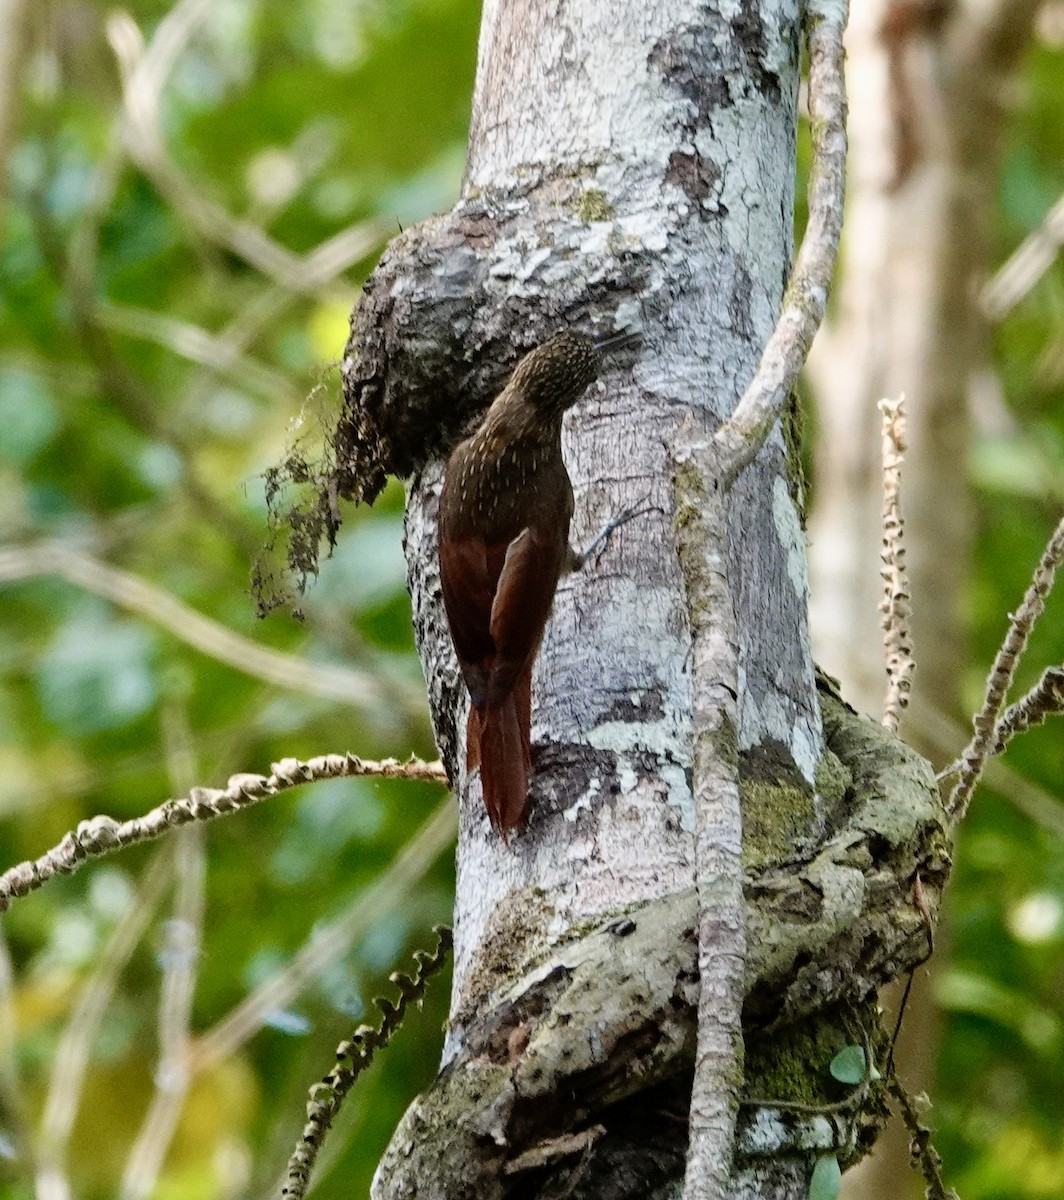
{"x": 580, "y": 558}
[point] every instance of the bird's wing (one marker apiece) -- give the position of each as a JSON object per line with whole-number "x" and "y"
{"x": 522, "y": 604}
{"x": 468, "y": 584}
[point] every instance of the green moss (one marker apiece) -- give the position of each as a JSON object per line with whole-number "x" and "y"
{"x": 794, "y": 1063}
{"x": 593, "y": 206}
{"x": 690, "y": 501}
{"x": 725, "y": 742}
{"x": 779, "y": 806}
{"x": 512, "y": 938}
{"x": 791, "y": 423}
{"x": 895, "y": 787}
{"x": 775, "y": 815}
{"x": 833, "y": 779}
{"x": 689, "y": 482}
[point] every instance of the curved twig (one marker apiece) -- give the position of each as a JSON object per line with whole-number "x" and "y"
{"x": 986, "y": 720}
{"x": 745, "y": 431}
{"x": 103, "y": 835}
{"x": 353, "y": 1056}
{"x": 345, "y": 684}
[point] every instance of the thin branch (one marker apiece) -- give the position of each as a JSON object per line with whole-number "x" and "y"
{"x": 745, "y": 432}
{"x": 985, "y": 722}
{"x": 179, "y": 958}
{"x": 345, "y": 684}
{"x": 262, "y": 312}
{"x": 1035, "y": 803}
{"x": 103, "y": 835}
{"x": 699, "y": 525}
{"x": 81, "y": 1032}
{"x": 551, "y": 1150}
{"x": 1044, "y": 700}
{"x": 10, "y": 1076}
{"x": 145, "y": 72}
{"x": 338, "y": 252}
{"x": 922, "y": 1151}
{"x": 12, "y": 1093}
{"x": 331, "y": 941}
{"x": 1025, "y": 266}
{"x": 894, "y": 607}
{"x": 201, "y": 347}
{"x": 703, "y": 473}
{"x": 353, "y": 1056}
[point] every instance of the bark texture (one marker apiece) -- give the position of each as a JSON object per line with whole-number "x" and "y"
{"x": 598, "y": 1031}
{"x": 630, "y": 166}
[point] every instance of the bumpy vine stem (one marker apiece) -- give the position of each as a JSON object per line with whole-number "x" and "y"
{"x": 102, "y": 835}
{"x": 353, "y": 1056}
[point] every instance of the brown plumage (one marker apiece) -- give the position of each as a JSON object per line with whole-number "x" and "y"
{"x": 504, "y": 542}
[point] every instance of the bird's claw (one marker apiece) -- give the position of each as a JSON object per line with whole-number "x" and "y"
{"x": 598, "y": 543}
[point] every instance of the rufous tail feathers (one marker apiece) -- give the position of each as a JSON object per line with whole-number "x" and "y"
{"x": 497, "y": 740}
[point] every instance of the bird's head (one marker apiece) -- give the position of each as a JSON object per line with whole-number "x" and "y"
{"x": 555, "y": 375}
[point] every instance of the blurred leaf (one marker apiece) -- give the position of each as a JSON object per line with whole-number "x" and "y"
{"x": 28, "y": 415}
{"x": 39, "y": 1001}
{"x": 1006, "y": 465}
{"x": 288, "y": 1021}
{"x": 1021, "y": 1163}
{"x": 329, "y": 326}
{"x": 98, "y": 672}
{"x": 963, "y": 991}
{"x": 826, "y": 1181}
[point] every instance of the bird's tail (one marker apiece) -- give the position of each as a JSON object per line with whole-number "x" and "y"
{"x": 497, "y": 740}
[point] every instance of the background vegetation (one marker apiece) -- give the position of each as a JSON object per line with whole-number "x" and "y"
{"x": 194, "y": 194}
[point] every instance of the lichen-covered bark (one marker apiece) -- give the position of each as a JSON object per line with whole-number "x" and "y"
{"x": 630, "y": 166}
{"x": 607, "y": 1013}
{"x": 683, "y": 253}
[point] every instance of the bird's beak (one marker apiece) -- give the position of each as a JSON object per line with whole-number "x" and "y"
{"x": 617, "y": 340}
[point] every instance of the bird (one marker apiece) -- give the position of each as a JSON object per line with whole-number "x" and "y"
{"x": 504, "y": 514}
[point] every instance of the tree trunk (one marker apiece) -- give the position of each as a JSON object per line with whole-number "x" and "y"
{"x": 632, "y": 166}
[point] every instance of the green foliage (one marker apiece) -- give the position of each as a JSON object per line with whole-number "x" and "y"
{"x": 998, "y": 1102}
{"x": 148, "y": 376}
